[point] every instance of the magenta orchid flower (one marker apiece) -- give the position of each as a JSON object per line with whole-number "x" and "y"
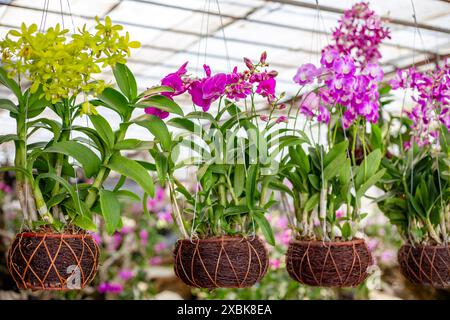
{"x": 175, "y": 81}
{"x": 306, "y": 74}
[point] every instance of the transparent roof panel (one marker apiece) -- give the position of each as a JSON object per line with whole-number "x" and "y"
{"x": 291, "y": 31}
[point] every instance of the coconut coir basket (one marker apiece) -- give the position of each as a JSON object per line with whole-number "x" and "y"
{"x": 225, "y": 262}
{"x": 50, "y": 261}
{"x": 328, "y": 264}
{"x": 426, "y": 264}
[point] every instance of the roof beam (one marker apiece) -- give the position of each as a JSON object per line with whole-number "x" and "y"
{"x": 189, "y": 33}
{"x": 400, "y": 22}
{"x": 426, "y": 61}
{"x": 262, "y": 22}
{"x": 234, "y": 18}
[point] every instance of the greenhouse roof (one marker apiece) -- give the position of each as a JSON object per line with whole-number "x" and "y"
{"x": 220, "y": 33}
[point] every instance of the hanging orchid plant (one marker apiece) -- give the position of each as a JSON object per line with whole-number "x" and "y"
{"x": 330, "y": 180}
{"x": 47, "y": 70}
{"x": 235, "y": 159}
{"x": 417, "y": 182}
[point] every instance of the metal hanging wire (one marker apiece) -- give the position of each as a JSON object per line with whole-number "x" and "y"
{"x": 323, "y": 191}
{"x": 206, "y": 11}
{"x": 194, "y": 226}
{"x": 242, "y": 149}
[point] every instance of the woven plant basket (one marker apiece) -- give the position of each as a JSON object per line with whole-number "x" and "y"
{"x": 426, "y": 265}
{"x": 328, "y": 264}
{"x": 225, "y": 262}
{"x": 50, "y": 261}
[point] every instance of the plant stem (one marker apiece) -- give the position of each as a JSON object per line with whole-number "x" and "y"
{"x": 233, "y": 194}
{"x": 443, "y": 225}
{"x": 92, "y": 193}
{"x": 431, "y": 231}
{"x": 177, "y": 213}
{"x": 363, "y": 140}
{"x": 354, "y": 144}
{"x": 65, "y": 134}
{"x": 323, "y": 209}
{"x": 222, "y": 192}
{"x": 19, "y": 161}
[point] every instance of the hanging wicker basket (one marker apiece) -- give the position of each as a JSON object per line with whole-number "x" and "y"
{"x": 426, "y": 265}
{"x": 328, "y": 264}
{"x": 225, "y": 262}
{"x": 41, "y": 261}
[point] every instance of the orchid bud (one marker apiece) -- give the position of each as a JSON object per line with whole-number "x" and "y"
{"x": 264, "y": 117}
{"x": 248, "y": 63}
{"x": 282, "y": 106}
{"x": 272, "y": 74}
{"x": 263, "y": 58}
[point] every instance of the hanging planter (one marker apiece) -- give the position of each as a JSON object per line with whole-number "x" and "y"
{"x": 426, "y": 265}
{"x": 43, "y": 261}
{"x": 328, "y": 264}
{"x": 225, "y": 262}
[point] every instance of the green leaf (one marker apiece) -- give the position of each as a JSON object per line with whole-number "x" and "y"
{"x": 8, "y": 105}
{"x": 314, "y": 181}
{"x": 56, "y": 200}
{"x": 159, "y": 129}
{"x": 361, "y": 191}
{"x": 186, "y": 124}
{"x": 94, "y": 136}
{"x": 103, "y": 129}
{"x": 235, "y": 210}
{"x": 51, "y": 125}
{"x": 266, "y": 229}
{"x": 375, "y": 138}
{"x": 335, "y": 152}
{"x": 202, "y": 115}
{"x": 87, "y": 158}
{"x": 110, "y": 210}
{"x": 134, "y": 144}
{"x": 250, "y": 185}
{"x": 299, "y": 157}
{"x": 8, "y": 137}
{"x": 121, "y": 194}
{"x": 156, "y": 90}
{"x": 18, "y": 169}
{"x": 239, "y": 179}
{"x": 147, "y": 165}
{"x": 312, "y": 202}
{"x": 334, "y": 167}
{"x": 113, "y": 100}
{"x": 132, "y": 170}
{"x": 346, "y": 231}
{"x": 162, "y": 167}
{"x": 277, "y": 185}
{"x": 345, "y": 173}
{"x": 162, "y": 103}
{"x": 125, "y": 80}
{"x": 85, "y": 222}
{"x": 368, "y": 167}
{"x": 230, "y": 107}
{"x": 10, "y": 83}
